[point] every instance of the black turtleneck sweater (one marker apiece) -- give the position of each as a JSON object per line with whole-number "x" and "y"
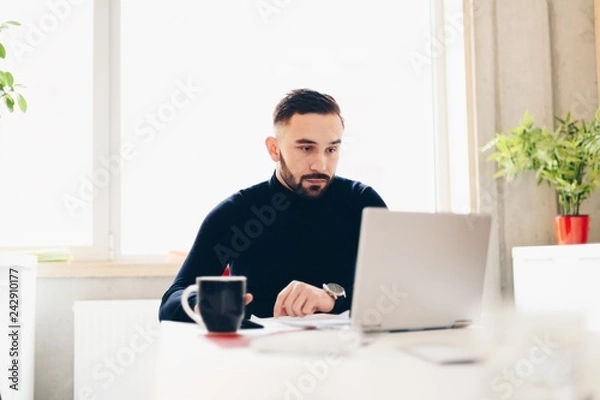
{"x": 273, "y": 236}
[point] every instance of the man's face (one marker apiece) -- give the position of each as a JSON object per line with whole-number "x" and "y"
{"x": 309, "y": 147}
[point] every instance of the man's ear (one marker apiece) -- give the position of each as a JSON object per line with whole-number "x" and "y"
{"x": 272, "y": 148}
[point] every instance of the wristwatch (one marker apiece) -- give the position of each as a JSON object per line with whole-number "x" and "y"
{"x": 334, "y": 290}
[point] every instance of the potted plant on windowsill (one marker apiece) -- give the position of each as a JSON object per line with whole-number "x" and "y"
{"x": 568, "y": 159}
{"x": 8, "y": 95}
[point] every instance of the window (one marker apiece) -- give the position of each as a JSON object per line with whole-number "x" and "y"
{"x": 46, "y": 154}
{"x": 192, "y": 88}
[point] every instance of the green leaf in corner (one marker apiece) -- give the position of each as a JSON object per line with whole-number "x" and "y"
{"x": 22, "y": 103}
{"x": 3, "y": 81}
{"x": 2, "y": 51}
{"x": 15, "y": 23}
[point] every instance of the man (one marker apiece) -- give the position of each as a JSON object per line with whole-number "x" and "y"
{"x": 295, "y": 236}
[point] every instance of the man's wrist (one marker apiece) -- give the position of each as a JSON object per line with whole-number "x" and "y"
{"x": 328, "y": 302}
{"x": 341, "y": 305}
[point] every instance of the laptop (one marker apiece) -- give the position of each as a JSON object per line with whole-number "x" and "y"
{"x": 417, "y": 271}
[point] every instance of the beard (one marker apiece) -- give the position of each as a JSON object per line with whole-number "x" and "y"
{"x": 309, "y": 192}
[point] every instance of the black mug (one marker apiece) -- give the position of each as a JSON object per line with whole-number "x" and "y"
{"x": 221, "y": 302}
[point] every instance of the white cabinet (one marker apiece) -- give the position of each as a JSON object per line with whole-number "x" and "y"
{"x": 558, "y": 278}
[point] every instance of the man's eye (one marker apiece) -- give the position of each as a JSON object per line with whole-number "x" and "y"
{"x": 332, "y": 150}
{"x": 307, "y": 148}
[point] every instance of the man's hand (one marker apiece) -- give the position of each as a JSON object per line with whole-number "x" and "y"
{"x": 299, "y": 299}
{"x": 248, "y": 299}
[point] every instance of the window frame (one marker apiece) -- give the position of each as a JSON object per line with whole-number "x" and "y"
{"x": 101, "y": 227}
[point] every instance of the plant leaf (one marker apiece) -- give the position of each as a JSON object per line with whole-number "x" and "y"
{"x": 5, "y": 25}
{"x": 500, "y": 173}
{"x": 527, "y": 120}
{"x": 2, "y": 51}
{"x": 10, "y": 103}
{"x": 22, "y": 102}
{"x": 9, "y": 79}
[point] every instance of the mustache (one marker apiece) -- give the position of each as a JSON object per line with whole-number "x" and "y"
{"x": 316, "y": 176}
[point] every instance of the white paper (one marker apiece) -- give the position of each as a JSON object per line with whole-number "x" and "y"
{"x": 315, "y": 321}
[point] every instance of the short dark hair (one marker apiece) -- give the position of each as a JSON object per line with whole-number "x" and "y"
{"x": 305, "y": 101}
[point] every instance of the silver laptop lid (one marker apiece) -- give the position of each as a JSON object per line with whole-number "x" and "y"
{"x": 419, "y": 270}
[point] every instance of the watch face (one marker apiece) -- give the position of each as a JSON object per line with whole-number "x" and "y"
{"x": 335, "y": 288}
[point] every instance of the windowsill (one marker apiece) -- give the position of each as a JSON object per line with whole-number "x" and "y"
{"x": 106, "y": 269}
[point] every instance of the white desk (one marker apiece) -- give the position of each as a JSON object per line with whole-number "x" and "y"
{"x": 190, "y": 365}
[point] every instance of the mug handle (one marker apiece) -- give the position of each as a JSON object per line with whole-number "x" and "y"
{"x": 186, "y": 305}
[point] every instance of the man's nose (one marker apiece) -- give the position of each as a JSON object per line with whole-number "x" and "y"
{"x": 319, "y": 163}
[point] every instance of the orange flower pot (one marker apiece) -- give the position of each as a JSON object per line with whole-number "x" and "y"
{"x": 571, "y": 229}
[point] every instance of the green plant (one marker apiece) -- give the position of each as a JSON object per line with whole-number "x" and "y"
{"x": 8, "y": 94}
{"x": 568, "y": 158}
